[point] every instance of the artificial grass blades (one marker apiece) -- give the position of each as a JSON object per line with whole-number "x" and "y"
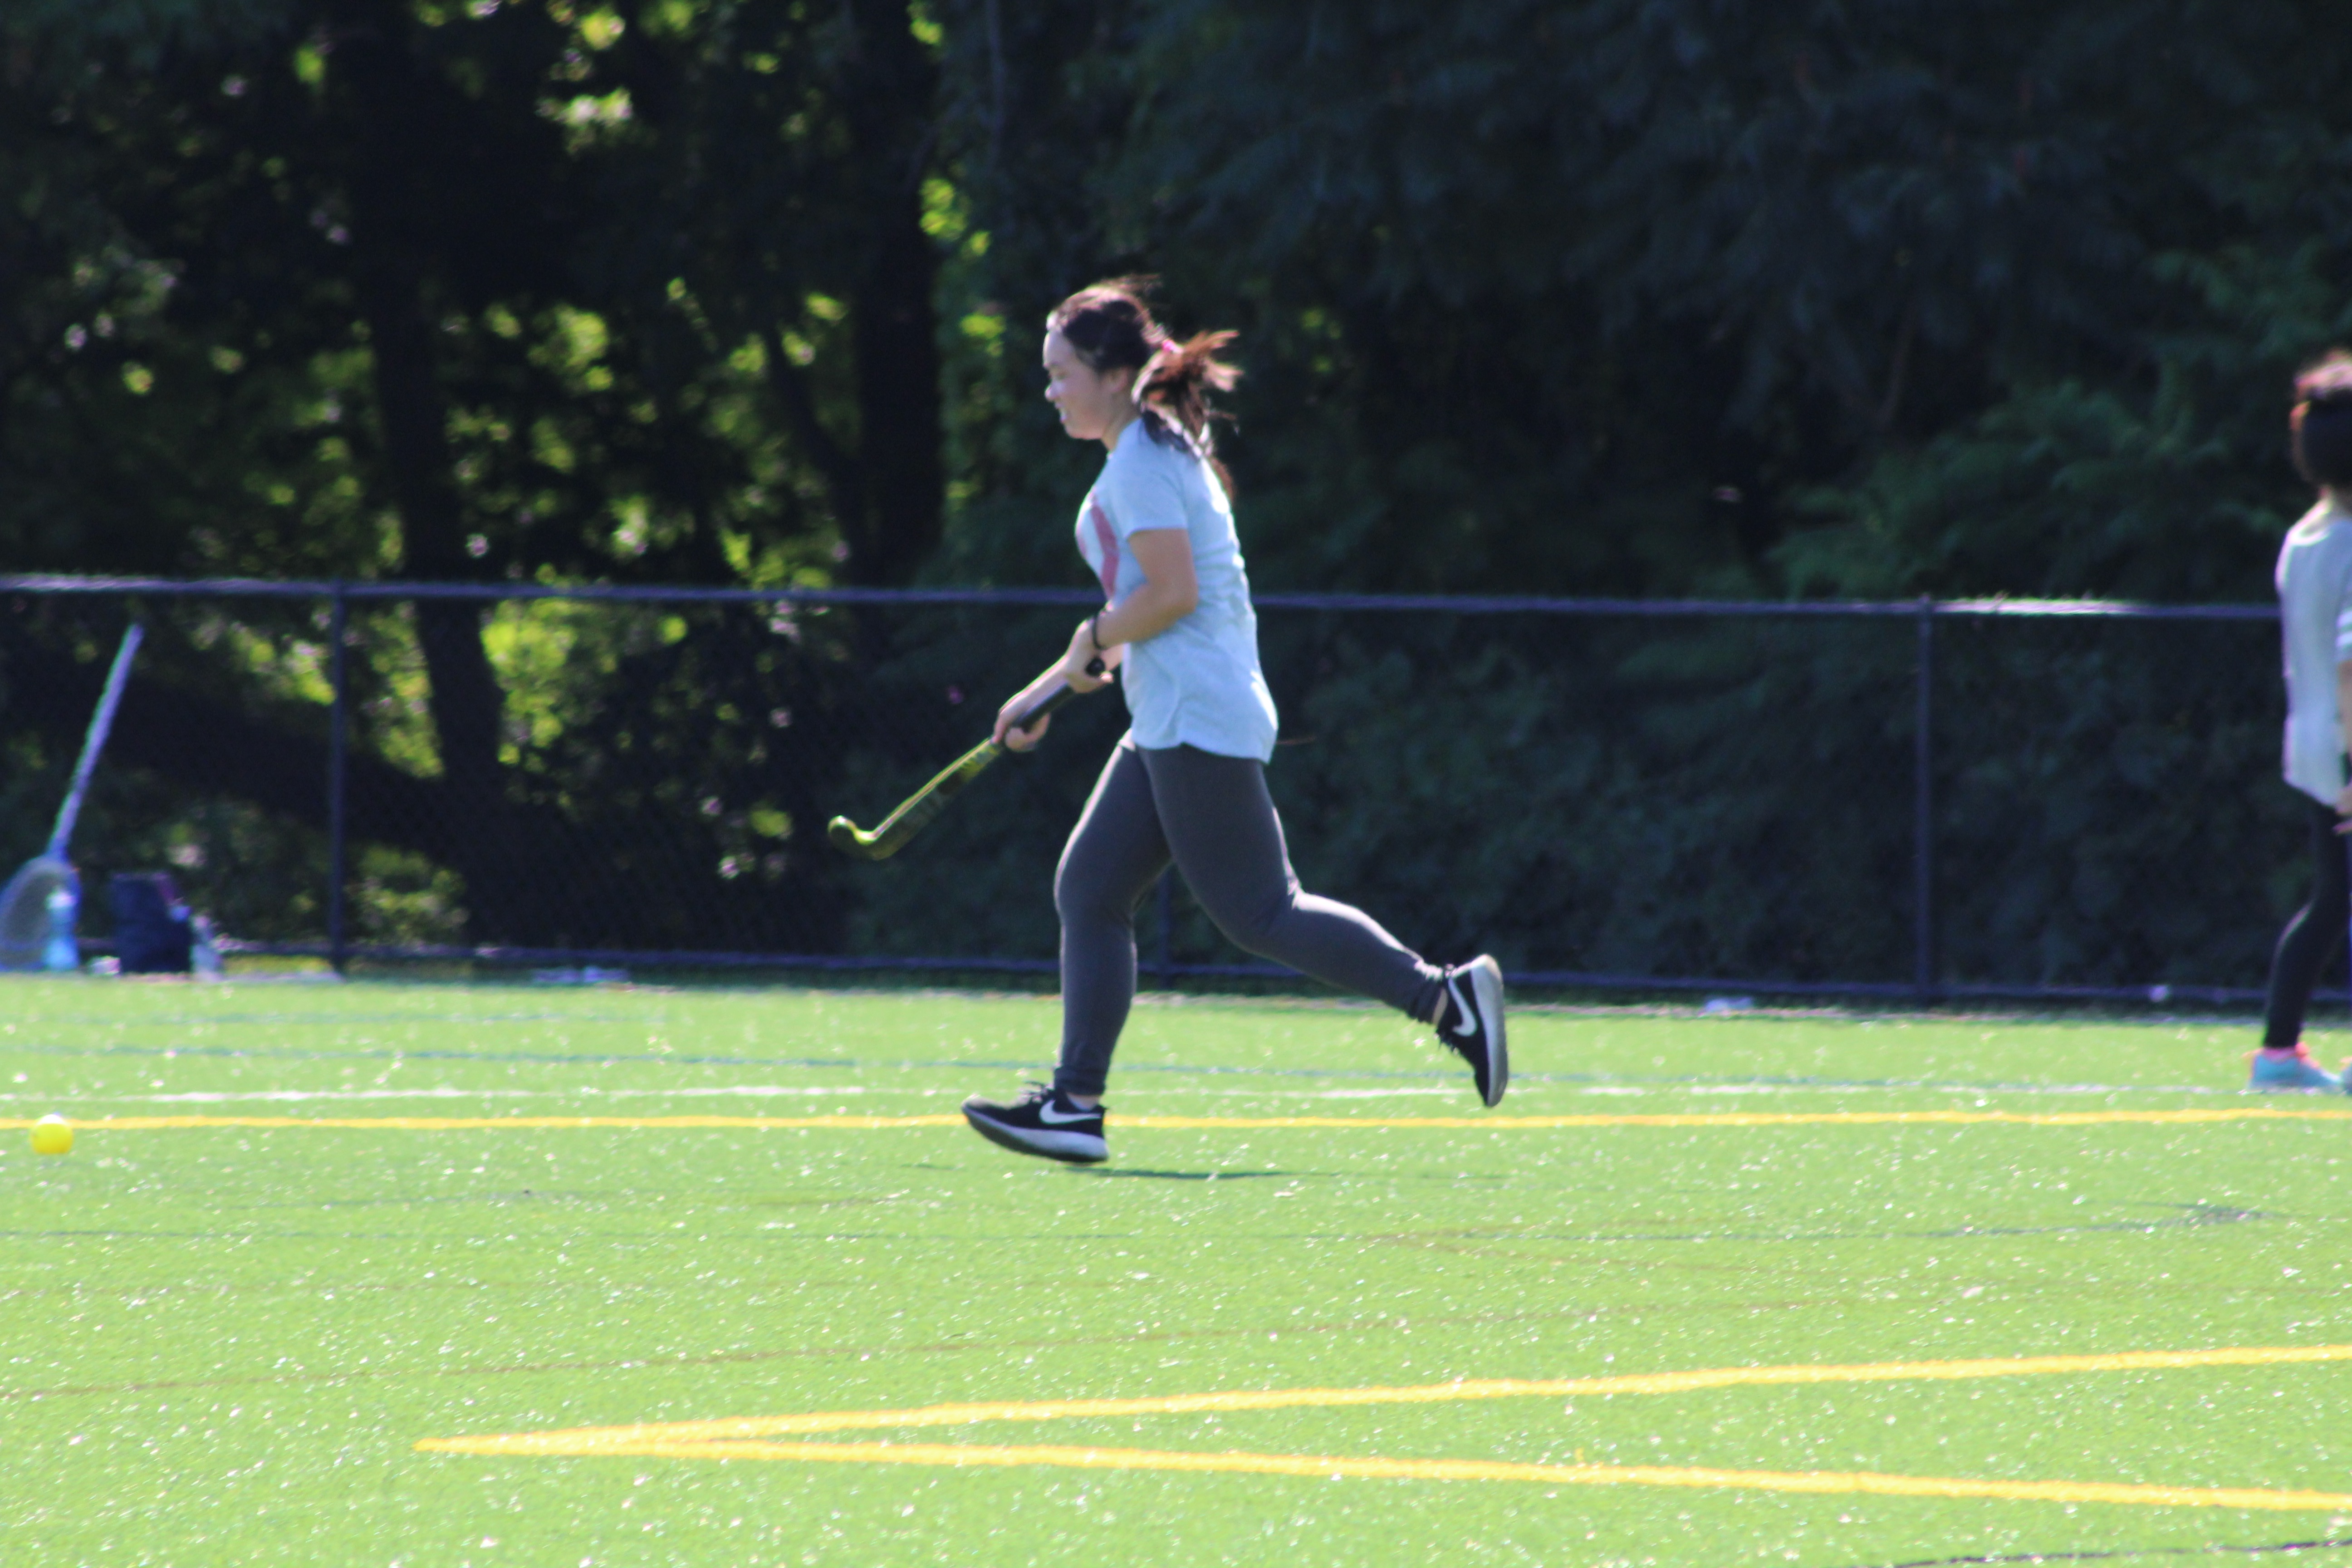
{"x": 427, "y": 1275}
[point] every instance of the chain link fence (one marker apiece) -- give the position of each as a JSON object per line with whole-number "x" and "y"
{"x": 1909, "y": 800}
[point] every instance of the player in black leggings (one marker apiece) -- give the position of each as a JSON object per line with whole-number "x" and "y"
{"x": 1187, "y": 783}
{"x": 2314, "y": 589}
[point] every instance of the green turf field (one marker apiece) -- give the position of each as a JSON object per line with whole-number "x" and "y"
{"x": 224, "y": 1345}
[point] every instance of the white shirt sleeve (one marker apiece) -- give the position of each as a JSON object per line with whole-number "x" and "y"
{"x": 1142, "y": 486}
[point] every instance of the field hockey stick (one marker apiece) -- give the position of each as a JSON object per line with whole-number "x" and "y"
{"x": 917, "y": 811}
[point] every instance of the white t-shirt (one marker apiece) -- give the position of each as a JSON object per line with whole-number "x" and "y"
{"x": 2314, "y": 589}
{"x": 1197, "y": 683}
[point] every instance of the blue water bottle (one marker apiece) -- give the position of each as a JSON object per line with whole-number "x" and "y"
{"x": 61, "y": 953}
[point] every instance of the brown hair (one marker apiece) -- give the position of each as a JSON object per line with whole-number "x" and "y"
{"x": 1109, "y": 326}
{"x": 2321, "y": 424}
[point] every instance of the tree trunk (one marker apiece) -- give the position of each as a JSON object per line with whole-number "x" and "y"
{"x": 393, "y": 239}
{"x": 891, "y": 103}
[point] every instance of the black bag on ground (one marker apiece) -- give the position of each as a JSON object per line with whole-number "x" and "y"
{"x": 151, "y": 931}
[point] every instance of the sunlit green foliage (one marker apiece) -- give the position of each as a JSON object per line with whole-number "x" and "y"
{"x": 1588, "y": 295}
{"x": 528, "y": 291}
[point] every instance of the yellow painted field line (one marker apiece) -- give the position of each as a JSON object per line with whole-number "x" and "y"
{"x": 492, "y": 1123}
{"x": 1229, "y": 1124}
{"x": 1320, "y": 1466}
{"x": 632, "y": 1439}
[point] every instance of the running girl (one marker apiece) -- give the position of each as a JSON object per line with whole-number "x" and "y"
{"x": 2314, "y": 589}
{"x": 1187, "y": 780}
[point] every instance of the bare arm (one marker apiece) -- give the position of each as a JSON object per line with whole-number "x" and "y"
{"x": 1169, "y": 591}
{"x": 2344, "y": 718}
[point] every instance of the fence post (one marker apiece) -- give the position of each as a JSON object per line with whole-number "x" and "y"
{"x": 1923, "y": 804}
{"x": 338, "y": 726}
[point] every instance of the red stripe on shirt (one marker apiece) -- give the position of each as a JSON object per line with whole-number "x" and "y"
{"x": 1108, "y": 543}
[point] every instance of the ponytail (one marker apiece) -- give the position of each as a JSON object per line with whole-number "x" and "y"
{"x": 1175, "y": 383}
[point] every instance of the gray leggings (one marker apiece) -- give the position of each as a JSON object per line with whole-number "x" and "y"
{"x": 1213, "y": 815}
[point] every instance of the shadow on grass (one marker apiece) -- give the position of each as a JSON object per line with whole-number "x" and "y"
{"x": 1194, "y": 1175}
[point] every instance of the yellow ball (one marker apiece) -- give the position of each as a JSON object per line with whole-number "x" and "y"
{"x": 52, "y": 1135}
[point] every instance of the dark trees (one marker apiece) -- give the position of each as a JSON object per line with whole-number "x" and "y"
{"x": 1599, "y": 296}
{"x": 1736, "y": 298}
{"x": 1676, "y": 297}
{"x": 370, "y": 286}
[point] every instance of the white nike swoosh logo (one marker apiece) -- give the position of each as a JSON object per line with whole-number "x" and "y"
{"x": 1052, "y": 1118}
{"x": 1461, "y": 1010}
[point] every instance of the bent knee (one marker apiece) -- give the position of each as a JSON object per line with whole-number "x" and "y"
{"x": 1255, "y": 926}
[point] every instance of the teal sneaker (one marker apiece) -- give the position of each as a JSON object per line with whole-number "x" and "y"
{"x": 2283, "y": 1071}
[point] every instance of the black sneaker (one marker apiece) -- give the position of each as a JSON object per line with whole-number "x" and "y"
{"x": 1042, "y": 1122}
{"x": 1472, "y": 1024}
